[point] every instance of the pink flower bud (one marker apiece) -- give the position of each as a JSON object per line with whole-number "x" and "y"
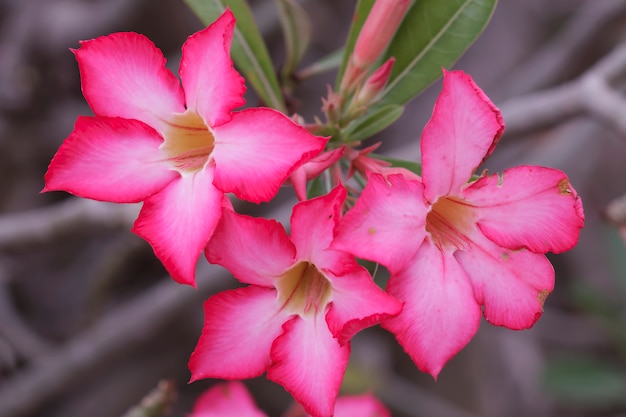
{"x": 379, "y": 28}
{"x": 375, "y": 83}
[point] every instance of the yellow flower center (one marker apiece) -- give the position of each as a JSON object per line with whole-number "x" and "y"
{"x": 188, "y": 142}
{"x": 303, "y": 290}
{"x": 449, "y": 223}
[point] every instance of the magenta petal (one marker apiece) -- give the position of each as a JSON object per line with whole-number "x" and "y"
{"x": 365, "y": 405}
{"x": 512, "y": 285}
{"x": 213, "y": 88}
{"x": 226, "y": 399}
{"x": 309, "y": 363}
{"x": 528, "y": 207}
{"x": 387, "y": 223}
{"x": 313, "y": 223}
{"x": 440, "y": 314}
{"x": 179, "y": 221}
{"x": 239, "y": 328}
{"x": 257, "y": 150}
{"x": 357, "y": 303}
{"x": 124, "y": 75}
{"x": 254, "y": 250}
{"x": 461, "y": 134}
{"x": 110, "y": 159}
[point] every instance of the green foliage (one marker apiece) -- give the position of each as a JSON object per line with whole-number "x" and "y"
{"x": 248, "y": 50}
{"x": 372, "y": 123}
{"x": 414, "y": 167}
{"x": 297, "y": 32}
{"x": 434, "y": 33}
{"x": 586, "y": 381}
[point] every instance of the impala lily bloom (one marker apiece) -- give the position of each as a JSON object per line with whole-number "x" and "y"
{"x": 453, "y": 246}
{"x": 176, "y": 148}
{"x": 232, "y": 399}
{"x": 303, "y": 305}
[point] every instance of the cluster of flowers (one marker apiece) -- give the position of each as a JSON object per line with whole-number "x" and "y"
{"x": 454, "y": 249}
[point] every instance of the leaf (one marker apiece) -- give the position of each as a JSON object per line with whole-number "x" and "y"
{"x": 248, "y": 49}
{"x": 372, "y": 123}
{"x": 584, "y": 380}
{"x": 414, "y": 167}
{"x": 327, "y": 63}
{"x": 433, "y": 34}
{"x": 297, "y": 32}
{"x": 361, "y": 11}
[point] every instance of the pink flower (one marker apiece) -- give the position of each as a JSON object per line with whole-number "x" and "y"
{"x": 231, "y": 399}
{"x": 303, "y": 305}
{"x": 313, "y": 168}
{"x": 453, "y": 246}
{"x": 177, "y": 149}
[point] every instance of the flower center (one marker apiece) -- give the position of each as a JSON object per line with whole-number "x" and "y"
{"x": 188, "y": 142}
{"x": 449, "y": 224}
{"x": 303, "y": 290}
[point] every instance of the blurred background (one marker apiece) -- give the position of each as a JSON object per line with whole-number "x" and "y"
{"x": 90, "y": 323}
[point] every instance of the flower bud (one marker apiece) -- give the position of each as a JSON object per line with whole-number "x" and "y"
{"x": 374, "y": 84}
{"x": 380, "y": 26}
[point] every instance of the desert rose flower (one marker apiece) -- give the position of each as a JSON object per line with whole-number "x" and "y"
{"x": 232, "y": 399}
{"x": 176, "y": 148}
{"x": 303, "y": 304}
{"x": 453, "y": 247}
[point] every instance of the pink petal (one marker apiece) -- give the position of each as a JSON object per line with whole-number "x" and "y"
{"x": 365, "y": 405}
{"x": 309, "y": 363}
{"x": 124, "y": 75}
{"x": 226, "y": 399}
{"x": 440, "y": 314}
{"x": 357, "y": 303}
{"x": 254, "y": 250}
{"x": 512, "y": 285}
{"x": 528, "y": 207}
{"x": 179, "y": 221}
{"x": 213, "y": 88}
{"x": 313, "y": 223}
{"x": 239, "y": 328}
{"x": 257, "y": 150}
{"x": 387, "y": 223}
{"x": 461, "y": 134}
{"x": 110, "y": 159}
{"x": 311, "y": 169}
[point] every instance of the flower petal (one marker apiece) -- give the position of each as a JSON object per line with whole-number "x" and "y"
{"x": 462, "y": 132}
{"x": 254, "y": 250}
{"x": 213, "y": 88}
{"x": 226, "y": 399}
{"x": 110, "y": 159}
{"x": 124, "y": 75}
{"x": 313, "y": 222}
{"x": 387, "y": 223}
{"x": 257, "y": 150}
{"x": 528, "y": 207}
{"x": 512, "y": 285}
{"x": 309, "y": 363}
{"x": 365, "y": 405}
{"x": 179, "y": 221}
{"x": 357, "y": 303}
{"x": 239, "y": 328}
{"x": 440, "y": 314}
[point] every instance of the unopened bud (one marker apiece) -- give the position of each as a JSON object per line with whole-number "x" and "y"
{"x": 374, "y": 84}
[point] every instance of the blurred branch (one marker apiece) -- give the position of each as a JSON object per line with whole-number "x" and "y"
{"x": 44, "y": 224}
{"x": 591, "y": 94}
{"x": 129, "y": 326}
{"x": 546, "y": 66}
{"x": 157, "y": 403}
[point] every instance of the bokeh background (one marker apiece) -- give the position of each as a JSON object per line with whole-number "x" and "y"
{"x": 89, "y": 321}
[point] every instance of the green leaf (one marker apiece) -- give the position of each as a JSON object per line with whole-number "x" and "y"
{"x": 414, "y": 167}
{"x": 434, "y": 33}
{"x": 372, "y": 123}
{"x": 588, "y": 381}
{"x": 327, "y": 63}
{"x": 297, "y": 32}
{"x": 361, "y": 11}
{"x": 248, "y": 49}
